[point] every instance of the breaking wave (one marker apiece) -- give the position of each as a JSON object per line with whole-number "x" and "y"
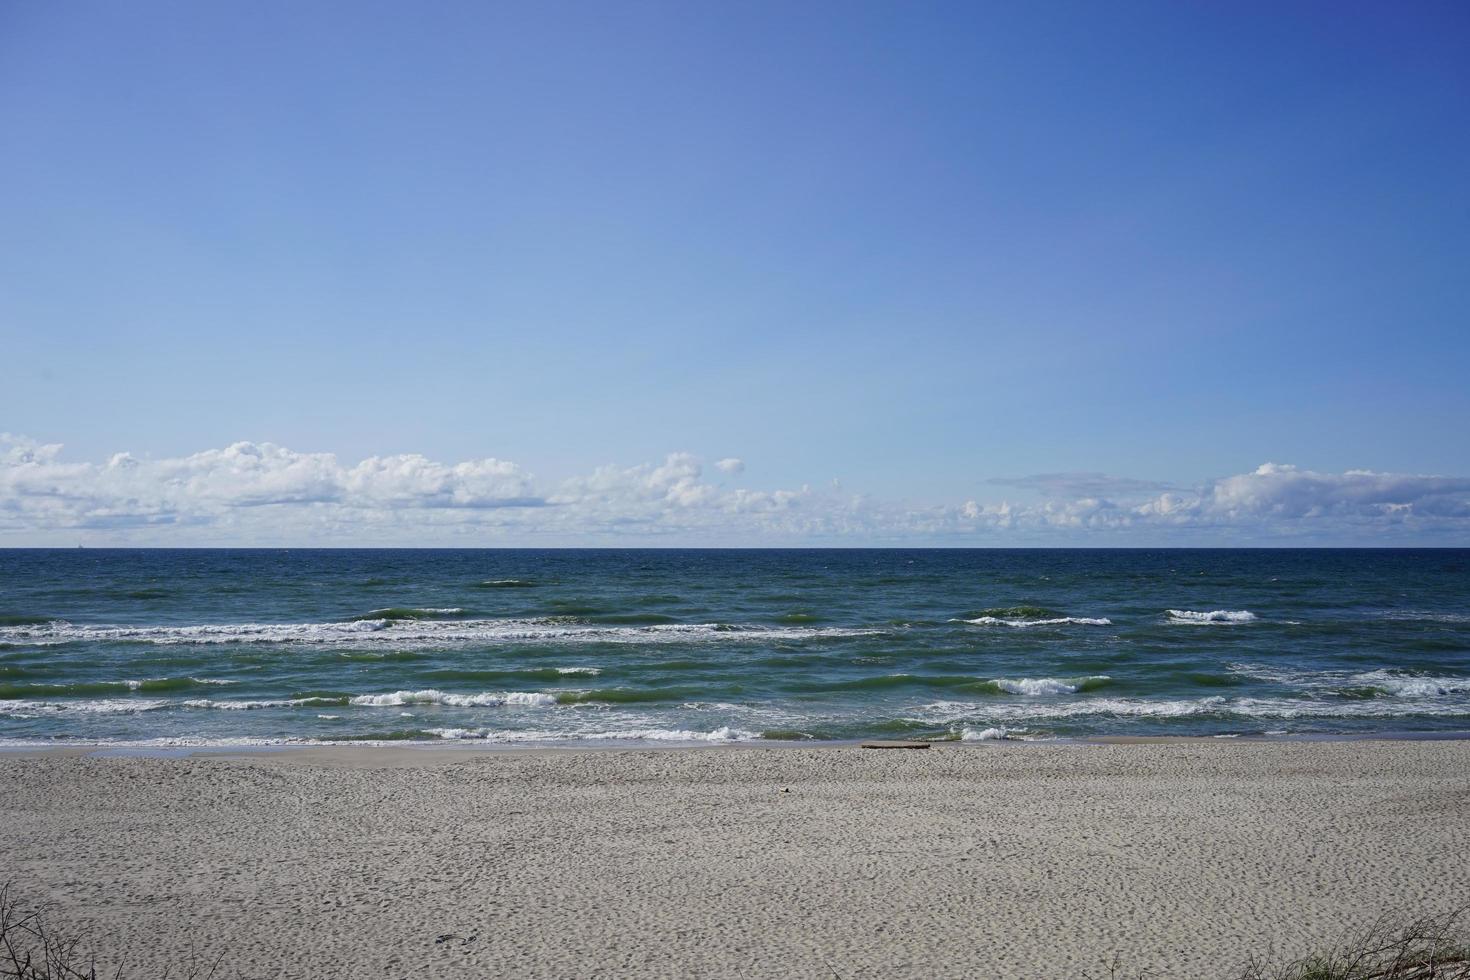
{"x": 1406, "y": 685}
{"x": 1213, "y": 616}
{"x": 1022, "y": 623}
{"x": 722, "y": 734}
{"x": 431, "y": 696}
{"x": 1033, "y": 686}
{"x": 1384, "y": 682}
{"x": 1021, "y": 617}
{"x": 1219, "y": 708}
{"x": 984, "y": 734}
{"x": 404, "y": 632}
{"x": 408, "y": 612}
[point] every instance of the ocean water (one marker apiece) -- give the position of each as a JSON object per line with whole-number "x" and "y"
{"x": 512, "y": 646}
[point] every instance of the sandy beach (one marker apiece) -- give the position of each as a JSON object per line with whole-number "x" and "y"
{"x": 957, "y": 861}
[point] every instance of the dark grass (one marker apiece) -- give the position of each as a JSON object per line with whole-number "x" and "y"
{"x": 32, "y": 949}
{"x": 1432, "y": 947}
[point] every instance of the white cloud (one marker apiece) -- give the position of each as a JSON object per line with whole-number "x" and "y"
{"x": 259, "y": 493}
{"x": 731, "y": 465}
{"x": 1079, "y": 484}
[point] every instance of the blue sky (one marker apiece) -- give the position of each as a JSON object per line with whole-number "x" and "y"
{"x": 930, "y": 251}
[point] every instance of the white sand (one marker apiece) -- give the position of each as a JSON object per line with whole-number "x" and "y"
{"x": 980, "y": 861}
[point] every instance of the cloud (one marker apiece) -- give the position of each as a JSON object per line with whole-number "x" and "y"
{"x": 1278, "y": 494}
{"x": 38, "y": 491}
{"x": 261, "y": 493}
{"x": 1273, "y": 500}
{"x": 1080, "y": 484}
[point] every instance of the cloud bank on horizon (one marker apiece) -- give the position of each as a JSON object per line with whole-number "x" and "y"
{"x": 261, "y": 493}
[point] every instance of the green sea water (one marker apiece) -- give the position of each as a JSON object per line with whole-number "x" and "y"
{"x": 665, "y": 646}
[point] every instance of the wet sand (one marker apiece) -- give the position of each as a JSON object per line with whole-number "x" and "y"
{"x": 997, "y": 860}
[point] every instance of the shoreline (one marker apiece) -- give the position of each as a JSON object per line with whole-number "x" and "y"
{"x": 205, "y": 749}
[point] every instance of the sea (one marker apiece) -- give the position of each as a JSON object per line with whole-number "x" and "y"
{"x": 643, "y": 647}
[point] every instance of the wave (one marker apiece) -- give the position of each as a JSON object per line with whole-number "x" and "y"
{"x": 133, "y": 706}
{"x": 1213, "y": 616}
{"x": 1216, "y": 707}
{"x": 28, "y": 708}
{"x": 102, "y": 706}
{"x": 968, "y": 734}
{"x": 999, "y": 685}
{"x": 505, "y": 583}
{"x": 1019, "y": 612}
{"x": 1407, "y": 685}
{"x": 431, "y": 696}
{"x": 314, "y": 700}
{"x": 151, "y": 685}
{"x": 420, "y": 632}
{"x": 629, "y": 695}
{"x": 1033, "y": 686}
{"x": 408, "y": 612}
{"x": 1383, "y": 682}
{"x": 17, "y": 620}
{"x": 723, "y": 734}
{"x": 1427, "y": 616}
{"x": 1022, "y": 623}
{"x": 507, "y": 675}
{"x": 634, "y": 619}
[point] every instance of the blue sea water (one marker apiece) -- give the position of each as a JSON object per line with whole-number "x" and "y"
{"x": 230, "y": 646}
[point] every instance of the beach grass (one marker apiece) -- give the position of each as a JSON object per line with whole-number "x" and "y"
{"x": 1393, "y": 947}
{"x": 32, "y": 949}
{"x": 1431, "y": 947}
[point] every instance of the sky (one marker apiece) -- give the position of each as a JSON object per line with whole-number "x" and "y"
{"x": 687, "y": 273}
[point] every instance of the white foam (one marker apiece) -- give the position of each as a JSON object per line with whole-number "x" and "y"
{"x": 254, "y": 705}
{"x": 431, "y": 696}
{"x": 1413, "y": 686}
{"x": 454, "y": 733}
{"x": 173, "y": 741}
{"x": 1214, "y": 616}
{"x": 1282, "y": 675}
{"x": 133, "y": 685}
{"x": 983, "y": 734}
{"x": 1391, "y": 681}
{"x": 1032, "y": 686}
{"x": 383, "y": 613}
{"x": 1428, "y": 616}
{"x": 1217, "y": 706}
{"x": 98, "y": 706}
{"x": 411, "y": 633}
{"x": 579, "y": 670}
{"x": 722, "y": 734}
{"x": 130, "y": 706}
{"x": 1023, "y": 623}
